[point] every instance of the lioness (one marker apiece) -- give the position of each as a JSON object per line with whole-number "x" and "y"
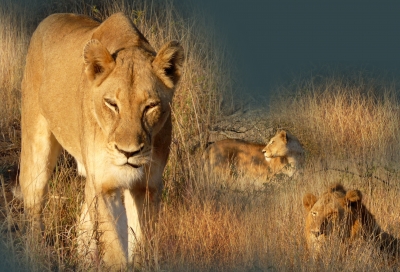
{"x": 338, "y": 213}
{"x": 101, "y": 92}
{"x": 229, "y": 157}
{"x": 284, "y": 153}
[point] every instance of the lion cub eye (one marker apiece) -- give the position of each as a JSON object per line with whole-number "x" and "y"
{"x": 111, "y": 104}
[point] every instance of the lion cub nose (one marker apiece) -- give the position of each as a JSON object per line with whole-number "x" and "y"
{"x": 129, "y": 154}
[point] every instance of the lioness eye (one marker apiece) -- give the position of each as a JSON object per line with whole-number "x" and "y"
{"x": 314, "y": 214}
{"x": 151, "y": 105}
{"x": 111, "y": 104}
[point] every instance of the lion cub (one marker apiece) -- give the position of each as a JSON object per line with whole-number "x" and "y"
{"x": 237, "y": 158}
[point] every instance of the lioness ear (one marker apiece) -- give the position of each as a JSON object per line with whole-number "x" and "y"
{"x": 283, "y": 136}
{"x": 353, "y": 197}
{"x": 308, "y": 201}
{"x": 168, "y": 63}
{"x": 98, "y": 61}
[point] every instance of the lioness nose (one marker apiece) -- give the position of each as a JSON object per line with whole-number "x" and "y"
{"x": 129, "y": 154}
{"x": 316, "y": 233}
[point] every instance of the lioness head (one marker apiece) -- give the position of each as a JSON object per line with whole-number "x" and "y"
{"x": 277, "y": 146}
{"x": 130, "y": 88}
{"x": 330, "y": 216}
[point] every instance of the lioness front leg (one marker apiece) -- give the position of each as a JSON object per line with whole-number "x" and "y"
{"x": 142, "y": 205}
{"x": 107, "y": 217}
{"x": 39, "y": 154}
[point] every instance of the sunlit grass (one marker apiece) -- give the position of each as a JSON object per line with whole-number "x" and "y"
{"x": 343, "y": 118}
{"x": 347, "y": 123}
{"x": 14, "y": 41}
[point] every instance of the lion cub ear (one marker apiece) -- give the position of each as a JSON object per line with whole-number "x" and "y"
{"x": 308, "y": 201}
{"x": 168, "y": 63}
{"x": 98, "y": 61}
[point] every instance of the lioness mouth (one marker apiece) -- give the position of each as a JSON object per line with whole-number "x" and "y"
{"x": 134, "y": 165}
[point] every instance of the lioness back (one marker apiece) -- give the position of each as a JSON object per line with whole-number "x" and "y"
{"x": 235, "y": 157}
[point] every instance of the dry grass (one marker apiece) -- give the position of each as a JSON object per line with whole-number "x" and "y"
{"x": 352, "y": 121}
{"x": 13, "y": 44}
{"x": 203, "y": 227}
{"x": 353, "y": 114}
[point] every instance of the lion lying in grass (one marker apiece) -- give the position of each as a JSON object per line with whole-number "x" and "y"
{"x": 340, "y": 214}
{"x": 237, "y": 158}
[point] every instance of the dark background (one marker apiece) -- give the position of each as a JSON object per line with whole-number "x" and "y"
{"x": 273, "y": 42}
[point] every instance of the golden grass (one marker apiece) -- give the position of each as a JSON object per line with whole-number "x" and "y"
{"x": 203, "y": 227}
{"x": 13, "y": 44}
{"x": 348, "y": 124}
{"x": 353, "y": 116}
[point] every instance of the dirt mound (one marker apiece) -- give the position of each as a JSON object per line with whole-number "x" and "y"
{"x": 249, "y": 125}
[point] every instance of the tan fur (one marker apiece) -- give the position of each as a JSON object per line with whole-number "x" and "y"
{"x": 340, "y": 214}
{"x": 101, "y": 92}
{"x": 235, "y": 157}
{"x": 239, "y": 158}
{"x": 284, "y": 153}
